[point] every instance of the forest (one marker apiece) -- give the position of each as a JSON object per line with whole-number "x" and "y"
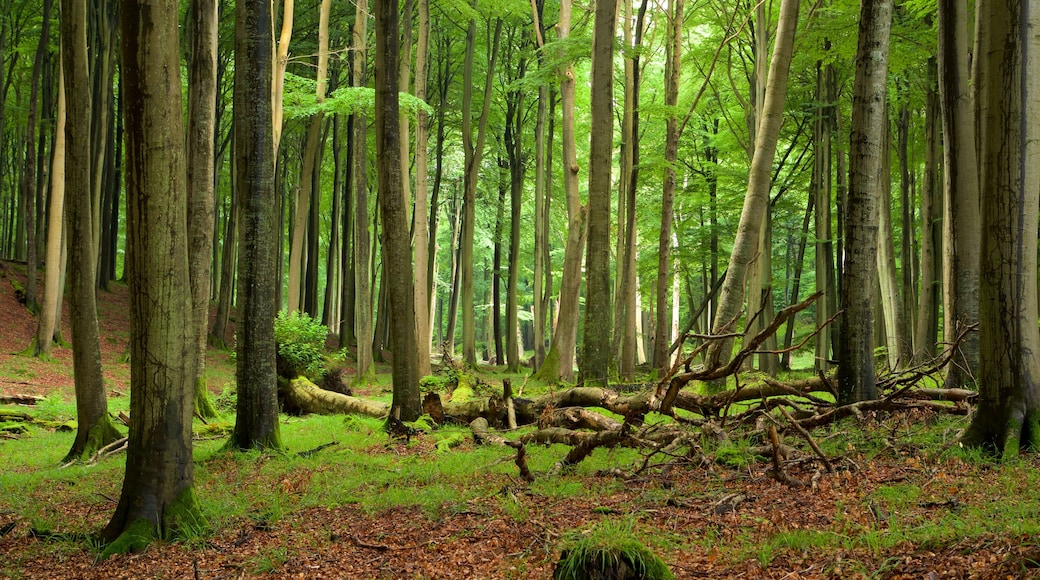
{"x": 784, "y": 249}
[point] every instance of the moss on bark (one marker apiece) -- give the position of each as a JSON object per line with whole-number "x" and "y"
{"x": 203, "y": 406}
{"x": 100, "y": 434}
{"x": 181, "y": 518}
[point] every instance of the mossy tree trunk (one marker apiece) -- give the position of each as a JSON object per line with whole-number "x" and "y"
{"x": 91, "y": 405}
{"x": 397, "y": 245}
{"x": 1008, "y": 415}
{"x": 856, "y": 378}
{"x": 157, "y": 497}
{"x": 256, "y": 419}
{"x": 202, "y": 95}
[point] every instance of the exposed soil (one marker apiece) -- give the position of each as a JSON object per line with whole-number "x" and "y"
{"x": 479, "y": 540}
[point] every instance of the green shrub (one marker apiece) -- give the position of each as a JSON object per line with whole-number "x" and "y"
{"x": 301, "y": 345}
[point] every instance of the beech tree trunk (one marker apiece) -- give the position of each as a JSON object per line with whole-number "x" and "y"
{"x": 856, "y": 380}
{"x": 362, "y": 233}
{"x": 756, "y": 200}
{"x": 1008, "y": 415}
{"x": 926, "y": 330}
{"x": 202, "y": 102}
{"x": 53, "y": 282}
{"x": 157, "y": 498}
{"x": 256, "y": 417}
{"x": 94, "y": 428}
{"x": 961, "y": 193}
{"x": 596, "y": 356}
{"x": 406, "y": 404}
{"x": 559, "y": 361}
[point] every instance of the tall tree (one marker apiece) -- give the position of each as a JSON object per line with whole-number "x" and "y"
{"x": 362, "y": 233}
{"x": 406, "y": 404}
{"x": 309, "y": 195}
{"x": 559, "y": 361}
{"x": 756, "y": 200}
{"x": 1008, "y": 416}
{"x": 596, "y": 343}
{"x": 473, "y": 155}
{"x": 202, "y": 103}
{"x": 961, "y": 193}
{"x": 856, "y": 381}
{"x": 158, "y": 497}
{"x": 94, "y": 428}
{"x": 54, "y": 257}
{"x": 29, "y": 177}
{"x": 927, "y": 326}
{"x": 664, "y": 242}
{"x": 256, "y": 417}
{"x": 421, "y": 216}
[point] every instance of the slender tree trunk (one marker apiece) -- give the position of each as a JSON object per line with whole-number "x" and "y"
{"x": 421, "y": 238}
{"x": 362, "y": 235}
{"x": 158, "y": 498}
{"x": 559, "y": 361}
{"x": 256, "y": 418}
{"x": 673, "y": 71}
{"x": 202, "y": 101}
{"x": 756, "y": 201}
{"x": 822, "y": 193}
{"x": 541, "y": 179}
{"x": 595, "y": 364}
{"x": 961, "y": 194}
{"x": 472, "y": 173}
{"x": 228, "y": 267}
{"x": 896, "y": 342}
{"x": 53, "y": 286}
{"x": 94, "y": 428}
{"x": 926, "y": 329}
{"x": 514, "y": 144}
{"x": 406, "y": 404}
{"x": 281, "y": 60}
{"x": 856, "y": 381}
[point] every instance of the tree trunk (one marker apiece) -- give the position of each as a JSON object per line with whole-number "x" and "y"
{"x": 53, "y": 286}
{"x": 896, "y": 338}
{"x": 961, "y": 193}
{"x": 926, "y": 330}
{"x": 362, "y": 234}
{"x": 278, "y": 72}
{"x": 1008, "y": 415}
{"x": 756, "y": 200}
{"x": 559, "y": 361}
{"x": 158, "y": 498}
{"x": 202, "y": 101}
{"x": 228, "y": 264}
{"x": 472, "y": 173}
{"x": 256, "y": 418}
{"x": 514, "y": 145}
{"x": 421, "y": 216}
{"x": 406, "y": 404}
{"x": 596, "y": 357}
{"x": 94, "y": 428}
{"x": 541, "y": 236}
{"x": 29, "y": 177}
{"x": 856, "y": 368}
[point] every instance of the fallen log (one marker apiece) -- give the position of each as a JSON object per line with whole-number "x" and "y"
{"x": 20, "y": 399}
{"x": 300, "y": 395}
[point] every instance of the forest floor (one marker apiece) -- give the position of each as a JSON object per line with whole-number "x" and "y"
{"x": 904, "y": 502}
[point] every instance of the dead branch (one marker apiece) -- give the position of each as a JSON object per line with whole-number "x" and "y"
{"x": 808, "y": 438}
{"x": 669, "y": 386}
{"x": 20, "y": 399}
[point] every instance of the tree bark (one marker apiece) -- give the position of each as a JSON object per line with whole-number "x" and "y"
{"x": 202, "y": 102}
{"x": 421, "y": 238}
{"x": 94, "y": 428}
{"x": 961, "y": 192}
{"x": 256, "y": 418}
{"x": 362, "y": 233}
{"x": 1008, "y": 415}
{"x": 559, "y": 361}
{"x": 596, "y": 356}
{"x": 157, "y": 498}
{"x": 756, "y": 200}
{"x": 54, "y": 260}
{"x": 926, "y": 330}
{"x": 856, "y": 380}
{"x": 406, "y": 404}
